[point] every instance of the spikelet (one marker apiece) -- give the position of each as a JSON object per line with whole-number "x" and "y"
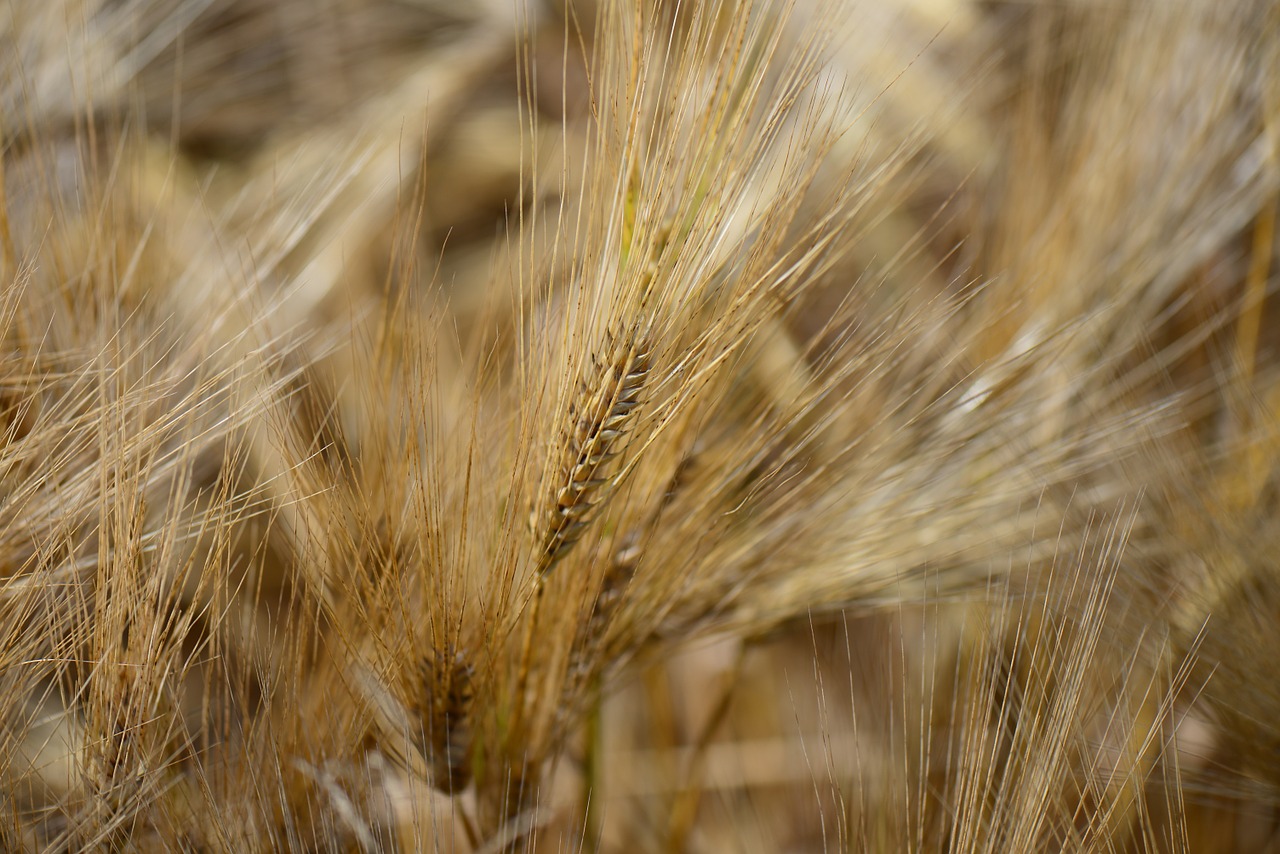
{"x": 600, "y": 419}
{"x": 443, "y": 710}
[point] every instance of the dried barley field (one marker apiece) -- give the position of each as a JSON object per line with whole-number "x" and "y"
{"x": 621, "y": 426}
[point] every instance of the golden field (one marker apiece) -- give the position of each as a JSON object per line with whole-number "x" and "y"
{"x": 590, "y": 425}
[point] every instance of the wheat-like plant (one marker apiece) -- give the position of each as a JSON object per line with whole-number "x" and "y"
{"x": 610, "y": 425}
